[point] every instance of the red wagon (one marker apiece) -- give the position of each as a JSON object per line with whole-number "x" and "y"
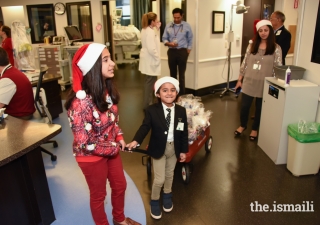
{"x": 204, "y": 138}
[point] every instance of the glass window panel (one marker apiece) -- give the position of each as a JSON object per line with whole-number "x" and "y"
{"x": 41, "y": 21}
{"x": 126, "y": 10}
{"x": 125, "y": 19}
{"x": 122, "y": 2}
{"x": 79, "y": 14}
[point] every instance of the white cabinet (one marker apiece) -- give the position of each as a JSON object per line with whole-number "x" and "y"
{"x": 283, "y": 106}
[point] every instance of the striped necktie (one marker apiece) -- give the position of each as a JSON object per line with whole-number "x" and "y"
{"x": 168, "y": 118}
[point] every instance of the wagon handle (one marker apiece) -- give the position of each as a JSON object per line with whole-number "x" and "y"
{"x": 136, "y": 150}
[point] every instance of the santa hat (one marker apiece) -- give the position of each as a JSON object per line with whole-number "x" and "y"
{"x": 263, "y": 23}
{"x": 163, "y": 80}
{"x": 82, "y": 62}
{"x": 254, "y": 30}
{"x": 254, "y": 25}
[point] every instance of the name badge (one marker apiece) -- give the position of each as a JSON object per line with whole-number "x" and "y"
{"x": 278, "y": 32}
{"x": 180, "y": 126}
{"x": 256, "y": 66}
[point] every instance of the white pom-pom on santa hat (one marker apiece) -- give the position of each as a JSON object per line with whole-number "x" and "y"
{"x": 81, "y": 94}
{"x": 82, "y": 62}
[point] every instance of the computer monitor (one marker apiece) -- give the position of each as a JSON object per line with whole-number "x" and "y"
{"x": 73, "y": 33}
{"x": 118, "y": 13}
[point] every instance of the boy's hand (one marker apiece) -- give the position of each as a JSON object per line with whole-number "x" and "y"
{"x": 183, "y": 157}
{"x": 132, "y": 145}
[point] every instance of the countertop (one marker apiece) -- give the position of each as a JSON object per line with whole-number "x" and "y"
{"x": 47, "y": 78}
{"x": 18, "y": 137}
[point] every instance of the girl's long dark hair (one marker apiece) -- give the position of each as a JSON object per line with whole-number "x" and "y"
{"x": 96, "y": 85}
{"x": 271, "y": 42}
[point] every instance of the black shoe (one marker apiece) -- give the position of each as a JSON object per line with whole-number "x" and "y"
{"x": 237, "y": 133}
{"x": 155, "y": 210}
{"x": 252, "y": 138}
{"x": 167, "y": 202}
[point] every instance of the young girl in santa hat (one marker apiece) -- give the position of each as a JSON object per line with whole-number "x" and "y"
{"x": 168, "y": 141}
{"x": 93, "y": 116}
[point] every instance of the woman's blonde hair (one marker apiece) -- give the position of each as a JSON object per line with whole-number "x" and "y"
{"x": 147, "y": 18}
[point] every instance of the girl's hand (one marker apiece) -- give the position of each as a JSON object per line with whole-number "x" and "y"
{"x": 183, "y": 157}
{"x": 123, "y": 144}
{"x": 132, "y": 145}
{"x": 239, "y": 84}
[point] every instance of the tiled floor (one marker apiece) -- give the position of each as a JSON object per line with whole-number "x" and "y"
{"x": 225, "y": 182}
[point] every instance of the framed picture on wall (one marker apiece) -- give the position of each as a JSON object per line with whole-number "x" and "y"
{"x": 218, "y": 22}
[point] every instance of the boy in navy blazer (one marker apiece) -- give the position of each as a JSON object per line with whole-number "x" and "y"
{"x": 168, "y": 142}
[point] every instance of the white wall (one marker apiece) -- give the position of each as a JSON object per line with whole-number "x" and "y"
{"x": 213, "y": 65}
{"x": 308, "y": 11}
{"x": 11, "y": 14}
{"x": 308, "y": 18}
{"x": 290, "y": 12}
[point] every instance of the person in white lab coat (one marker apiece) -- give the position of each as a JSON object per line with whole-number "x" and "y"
{"x": 150, "y": 63}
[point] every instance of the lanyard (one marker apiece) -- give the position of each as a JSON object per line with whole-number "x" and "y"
{"x": 4, "y": 70}
{"x": 174, "y": 30}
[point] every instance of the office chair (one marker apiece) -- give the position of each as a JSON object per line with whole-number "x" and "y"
{"x": 43, "y": 110}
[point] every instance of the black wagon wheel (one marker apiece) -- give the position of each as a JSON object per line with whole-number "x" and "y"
{"x": 186, "y": 173}
{"x": 208, "y": 144}
{"x": 149, "y": 166}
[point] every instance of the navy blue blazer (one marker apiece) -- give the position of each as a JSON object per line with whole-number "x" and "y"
{"x": 284, "y": 40}
{"x": 155, "y": 121}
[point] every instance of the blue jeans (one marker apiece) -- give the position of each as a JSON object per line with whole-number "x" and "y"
{"x": 245, "y": 110}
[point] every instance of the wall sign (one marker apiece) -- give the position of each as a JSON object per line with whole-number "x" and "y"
{"x": 218, "y": 22}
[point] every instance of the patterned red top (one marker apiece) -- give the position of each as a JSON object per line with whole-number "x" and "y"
{"x": 95, "y": 133}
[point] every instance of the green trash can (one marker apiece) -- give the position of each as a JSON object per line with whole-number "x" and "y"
{"x": 303, "y": 151}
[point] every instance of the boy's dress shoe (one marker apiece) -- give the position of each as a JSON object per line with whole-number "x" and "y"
{"x": 155, "y": 210}
{"x": 167, "y": 202}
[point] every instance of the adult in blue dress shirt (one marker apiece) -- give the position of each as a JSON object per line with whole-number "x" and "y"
{"x": 178, "y": 37}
